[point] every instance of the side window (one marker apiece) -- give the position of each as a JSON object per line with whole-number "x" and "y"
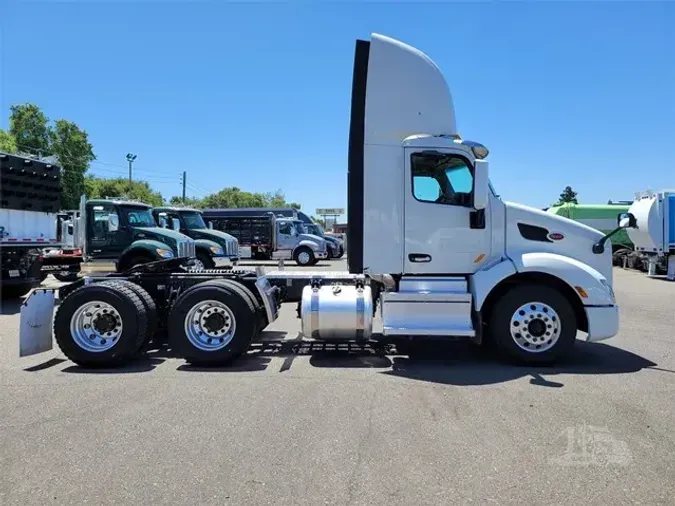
{"x": 441, "y": 179}
{"x": 285, "y": 229}
{"x": 100, "y": 222}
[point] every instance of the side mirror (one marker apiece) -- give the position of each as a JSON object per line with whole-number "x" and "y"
{"x": 210, "y": 225}
{"x": 175, "y": 224}
{"x": 480, "y": 184}
{"x": 113, "y": 223}
{"x": 626, "y": 220}
{"x": 162, "y": 222}
{"x": 70, "y": 230}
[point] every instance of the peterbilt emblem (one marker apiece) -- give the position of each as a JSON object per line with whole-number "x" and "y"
{"x": 556, "y": 236}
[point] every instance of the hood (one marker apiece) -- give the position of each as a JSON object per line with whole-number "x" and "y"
{"x": 529, "y": 229}
{"x": 165, "y": 235}
{"x": 212, "y": 235}
{"x": 315, "y": 238}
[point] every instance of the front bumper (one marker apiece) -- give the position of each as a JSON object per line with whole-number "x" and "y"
{"x": 603, "y": 322}
{"x": 321, "y": 255}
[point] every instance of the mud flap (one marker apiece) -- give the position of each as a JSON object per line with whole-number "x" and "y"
{"x": 35, "y": 331}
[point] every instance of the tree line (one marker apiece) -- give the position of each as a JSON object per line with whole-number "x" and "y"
{"x": 31, "y": 133}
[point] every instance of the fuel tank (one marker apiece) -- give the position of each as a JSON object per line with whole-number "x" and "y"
{"x": 337, "y": 312}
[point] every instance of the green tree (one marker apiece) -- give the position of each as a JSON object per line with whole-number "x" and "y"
{"x": 568, "y": 195}
{"x": 96, "y": 188}
{"x": 7, "y": 142}
{"x": 319, "y": 221}
{"x": 34, "y": 134}
{"x": 189, "y": 202}
{"x": 71, "y": 146}
{"x": 30, "y": 127}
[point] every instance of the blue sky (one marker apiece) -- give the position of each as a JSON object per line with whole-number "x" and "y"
{"x": 256, "y": 94}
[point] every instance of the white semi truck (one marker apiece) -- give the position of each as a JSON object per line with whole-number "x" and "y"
{"x": 431, "y": 249}
{"x": 654, "y": 234}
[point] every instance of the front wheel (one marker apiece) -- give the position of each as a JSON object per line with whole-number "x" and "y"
{"x": 304, "y": 256}
{"x": 533, "y": 324}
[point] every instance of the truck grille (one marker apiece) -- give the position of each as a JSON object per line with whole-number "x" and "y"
{"x": 232, "y": 249}
{"x": 186, "y": 248}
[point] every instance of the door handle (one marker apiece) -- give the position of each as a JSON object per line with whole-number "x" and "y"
{"x": 419, "y": 257}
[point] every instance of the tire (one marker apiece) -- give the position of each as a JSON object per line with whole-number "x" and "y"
{"x": 66, "y": 277}
{"x": 111, "y": 352}
{"x": 304, "y": 256}
{"x": 193, "y": 342}
{"x": 206, "y": 260}
{"x": 245, "y": 292}
{"x": 148, "y": 304}
{"x": 552, "y": 317}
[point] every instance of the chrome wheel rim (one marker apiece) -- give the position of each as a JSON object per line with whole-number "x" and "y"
{"x": 96, "y": 326}
{"x": 535, "y": 327}
{"x": 303, "y": 257}
{"x": 210, "y": 325}
{"x": 197, "y": 264}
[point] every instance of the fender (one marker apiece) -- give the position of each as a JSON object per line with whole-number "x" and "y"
{"x": 206, "y": 244}
{"x": 147, "y": 246}
{"x": 570, "y": 271}
{"x": 310, "y": 244}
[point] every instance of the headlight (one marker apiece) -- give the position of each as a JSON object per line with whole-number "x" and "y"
{"x": 216, "y": 250}
{"x": 164, "y": 253}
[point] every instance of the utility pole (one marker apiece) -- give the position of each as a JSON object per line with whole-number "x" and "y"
{"x": 130, "y": 158}
{"x": 184, "y": 178}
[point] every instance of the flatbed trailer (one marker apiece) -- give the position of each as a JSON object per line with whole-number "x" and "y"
{"x": 431, "y": 249}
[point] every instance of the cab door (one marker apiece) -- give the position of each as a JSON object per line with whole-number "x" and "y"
{"x": 443, "y": 233}
{"x": 286, "y": 239}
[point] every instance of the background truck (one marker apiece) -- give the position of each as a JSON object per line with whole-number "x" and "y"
{"x": 31, "y": 244}
{"x": 431, "y": 248}
{"x": 269, "y": 237}
{"x": 335, "y": 246}
{"x": 654, "y": 235}
{"x": 602, "y": 217}
{"x": 190, "y": 222}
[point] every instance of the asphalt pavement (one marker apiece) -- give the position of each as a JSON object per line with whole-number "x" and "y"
{"x": 295, "y": 425}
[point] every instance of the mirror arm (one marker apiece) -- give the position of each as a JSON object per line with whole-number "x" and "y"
{"x": 599, "y": 247}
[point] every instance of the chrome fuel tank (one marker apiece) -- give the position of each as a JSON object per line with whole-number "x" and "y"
{"x": 337, "y": 312}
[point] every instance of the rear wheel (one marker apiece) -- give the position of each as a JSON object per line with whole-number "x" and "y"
{"x": 245, "y": 292}
{"x": 148, "y": 304}
{"x": 533, "y": 324}
{"x": 101, "y": 325}
{"x": 211, "y": 324}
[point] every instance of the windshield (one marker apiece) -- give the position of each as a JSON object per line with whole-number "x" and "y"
{"x": 299, "y": 227}
{"x": 315, "y": 229}
{"x": 138, "y": 216}
{"x": 192, "y": 220}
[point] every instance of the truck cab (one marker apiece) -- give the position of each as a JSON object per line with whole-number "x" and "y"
{"x": 335, "y": 245}
{"x": 214, "y": 248}
{"x": 125, "y": 232}
{"x": 293, "y": 241}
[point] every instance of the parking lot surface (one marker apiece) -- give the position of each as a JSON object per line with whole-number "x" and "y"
{"x": 305, "y": 425}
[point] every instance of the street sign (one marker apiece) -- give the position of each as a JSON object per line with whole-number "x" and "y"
{"x": 334, "y": 211}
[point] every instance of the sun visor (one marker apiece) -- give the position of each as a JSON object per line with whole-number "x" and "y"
{"x": 406, "y": 94}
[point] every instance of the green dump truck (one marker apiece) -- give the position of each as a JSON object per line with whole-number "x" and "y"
{"x": 602, "y": 217}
